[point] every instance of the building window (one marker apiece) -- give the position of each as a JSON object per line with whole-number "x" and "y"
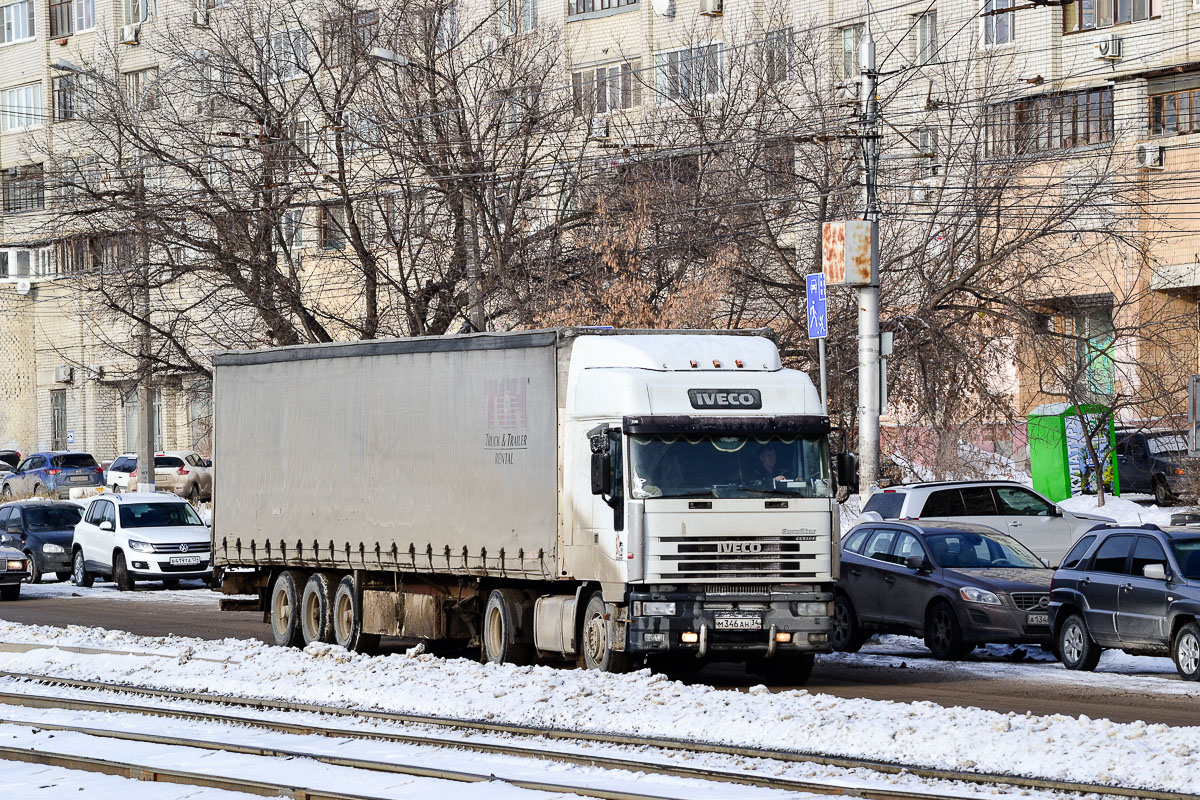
{"x": 1175, "y": 112}
{"x": 446, "y": 36}
{"x": 16, "y": 22}
{"x": 21, "y": 108}
{"x": 66, "y": 97}
{"x": 517, "y": 16}
{"x": 131, "y": 420}
{"x": 71, "y": 16}
{"x": 23, "y": 188}
{"x": 777, "y": 55}
{"x": 139, "y": 89}
{"x": 284, "y": 54}
{"x": 138, "y": 11}
{"x": 1087, "y": 15}
{"x": 291, "y": 230}
{"x": 350, "y": 40}
{"x": 689, "y": 73}
{"x": 604, "y": 89}
{"x": 58, "y": 419}
{"x": 1094, "y": 345}
{"x": 926, "y": 141}
{"x": 779, "y": 166}
{"x": 998, "y": 24}
{"x": 849, "y": 39}
{"x": 331, "y": 227}
{"x": 588, "y": 6}
{"x": 925, "y": 30}
{"x": 1050, "y": 122}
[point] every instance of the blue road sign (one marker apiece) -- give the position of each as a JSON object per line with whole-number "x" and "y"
{"x": 818, "y": 322}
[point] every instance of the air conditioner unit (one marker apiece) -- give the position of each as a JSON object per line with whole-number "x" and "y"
{"x": 1108, "y": 49}
{"x": 1149, "y": 156}
{"x": 600, "y": 129}
{"x": 24, "y": 285}
{"x": 710, "y": 8}
{"x": 200, "y": 18}
{"x": 64, "y": 374}
{"x": 129, "y": 34}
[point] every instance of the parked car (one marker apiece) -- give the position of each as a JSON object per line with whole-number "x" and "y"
{"x": 1151, "y": 462}
{"x": 955, "y": 584}
{"x": 9, "y": 459}
{"x": 1006, "y": 506}
{"x": 1135, "y": 589}
{"x": 15, "y": 571}
{"x": 54, "y": 473}
{"x": 42, "y": 530}
{"x": 180, "y": 471}
{"x": 140, "y": 536}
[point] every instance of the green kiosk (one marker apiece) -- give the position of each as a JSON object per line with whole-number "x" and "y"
{"x": 1058, "y": 456}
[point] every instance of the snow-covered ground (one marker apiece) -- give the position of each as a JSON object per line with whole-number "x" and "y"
{"x": 191, "y": 592}
{"x": 1093, "y": 750}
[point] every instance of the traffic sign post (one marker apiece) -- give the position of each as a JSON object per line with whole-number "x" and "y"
{"x": 818, "y": 326}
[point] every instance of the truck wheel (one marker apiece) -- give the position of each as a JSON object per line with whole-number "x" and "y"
{"x": 347, "y": 620}
{"x": 506, "y": 635}
{"x": 316, "y": 609}
{"x": 79, "y": 574}
{"x": 285, "y": 609}
{"x": 596, "y": 650}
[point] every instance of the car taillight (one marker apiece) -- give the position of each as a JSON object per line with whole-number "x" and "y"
{"x": 181, "y": 471}
{"x": 100, "y": 469}
{"x": 53, "y": 471}
{"x": 133, "y": 474}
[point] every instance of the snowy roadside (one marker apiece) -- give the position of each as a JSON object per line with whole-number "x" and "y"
{"x": 1136, "y": 754}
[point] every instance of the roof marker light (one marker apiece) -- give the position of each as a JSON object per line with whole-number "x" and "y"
{"x": 693, "y": 363}
{"x": 716, "y": 363}
{"x": 739, "y": 363}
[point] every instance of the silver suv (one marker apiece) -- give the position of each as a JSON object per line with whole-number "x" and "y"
{"x": 1006, "y": 506}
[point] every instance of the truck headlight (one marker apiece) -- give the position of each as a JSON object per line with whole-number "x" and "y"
{"x": 974, "y": 595}
{"x": 52, "y": 548}
{"x": 655, "y": 609}
{"x": 814, "y": 609}
{"x": 141, "y": 547}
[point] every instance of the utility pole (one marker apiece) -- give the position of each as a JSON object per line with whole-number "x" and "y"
{"x": 145, "y": 391}
{"x": 475, "y": 315}
{"x": 868, "y": 296}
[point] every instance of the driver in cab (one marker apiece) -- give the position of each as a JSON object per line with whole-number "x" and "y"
{"x": 764, "y": 469}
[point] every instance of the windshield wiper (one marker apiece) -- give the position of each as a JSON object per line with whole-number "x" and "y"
{"x": 698, "y": 493}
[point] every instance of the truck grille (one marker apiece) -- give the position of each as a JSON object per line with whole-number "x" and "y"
{"x": 1031, "y": 601}
{"x": 737, "y": 557}
{"x": 737, "y": 589}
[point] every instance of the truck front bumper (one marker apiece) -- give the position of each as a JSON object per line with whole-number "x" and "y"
{"x": 783, "y": 622}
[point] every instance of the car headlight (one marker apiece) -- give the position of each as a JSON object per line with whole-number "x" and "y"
{"x": 658, "y": 609}
{"x": 16, "y": 565}
{"x": 975, "y": 595}
{"x": 52, "y": 548}
{"x": 141, "y": 547}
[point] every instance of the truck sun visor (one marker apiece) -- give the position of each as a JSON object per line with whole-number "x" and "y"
{"x": 709, "y": 426}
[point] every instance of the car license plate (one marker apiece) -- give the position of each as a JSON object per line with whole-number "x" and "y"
{"x": 185, "y": 561}
{"x": 1038, "y": 619}
{"x": 732, "y": 623}
{"x": 79, "y": 478}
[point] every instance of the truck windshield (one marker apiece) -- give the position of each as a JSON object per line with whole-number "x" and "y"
{"x": 729, "y": 466}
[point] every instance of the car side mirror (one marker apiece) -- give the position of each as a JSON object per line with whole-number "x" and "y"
{"x": 106, "y": 526}
{"x": 1045, "y": 563}
{"x": 915, "y": 562}
{"x": 1155, "y": 572}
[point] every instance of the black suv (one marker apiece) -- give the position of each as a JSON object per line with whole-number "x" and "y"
{"x": 1151, "y": 462}
{"x": 1136, "y": 589}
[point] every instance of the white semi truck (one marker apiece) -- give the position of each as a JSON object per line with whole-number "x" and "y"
{"x": 611, "y": 497}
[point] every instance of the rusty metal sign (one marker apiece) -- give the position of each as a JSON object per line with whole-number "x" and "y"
{"x": 846, "y": 253}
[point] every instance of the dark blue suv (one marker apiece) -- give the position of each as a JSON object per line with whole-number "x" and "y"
{"x": 54, "y": 473}
{"x": 1135, "y": 589}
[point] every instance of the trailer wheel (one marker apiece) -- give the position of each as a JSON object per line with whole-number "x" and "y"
{"x": 285, "y": 609}
{"x": 506, "y": 634}
{"x": 347, "y": 620}
{"x": 316, "y": 609}
{"x": 596, "y": 651}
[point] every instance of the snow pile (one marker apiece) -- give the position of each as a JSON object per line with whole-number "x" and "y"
{"x": 1120, "y": 510}
{"x": 1137, "y": 754}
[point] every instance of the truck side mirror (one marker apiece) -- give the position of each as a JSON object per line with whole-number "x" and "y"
{"x": 601, "y": 469}
{"x": 846, "y": 465}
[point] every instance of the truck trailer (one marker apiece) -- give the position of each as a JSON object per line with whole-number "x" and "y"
{"x": 609, "y": 497}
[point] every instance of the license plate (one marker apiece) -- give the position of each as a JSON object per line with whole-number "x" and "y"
{"x": 185, "y": 561}
{"x": 1038, "y": 619}
{"x": 79, "y": 478}
{"x": 739, "y": 623}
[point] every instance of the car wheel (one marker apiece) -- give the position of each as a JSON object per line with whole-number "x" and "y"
{"x": 597, "y": 651}
{"x": 12, "y": 592}
{"x": 37, "y": 489}
{"x": 1076, "y": 648}
{"x": 943, "y": 636}
{"x": 1185, "y": 652}
{"x": 1162, "y": 492}
{"x": 35, "y": 574}
{"x": 193, "y": 494}
{"x": 79, "y": 574}
{"x": 7, "y": 491}
{"x": 121, "y": 576}
{"x": 848, "y": 635}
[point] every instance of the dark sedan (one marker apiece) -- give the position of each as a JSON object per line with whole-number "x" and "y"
{"x": 42, "y": 530}
{"x": 956, "y": 585}
{"x": 1136, "y": 589}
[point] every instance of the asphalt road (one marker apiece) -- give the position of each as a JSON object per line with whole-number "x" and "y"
{"x": 905, "y": 676}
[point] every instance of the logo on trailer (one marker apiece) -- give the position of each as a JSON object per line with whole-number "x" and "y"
{"x": 739, "y": 547}
{"x": 725, "y": 398}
